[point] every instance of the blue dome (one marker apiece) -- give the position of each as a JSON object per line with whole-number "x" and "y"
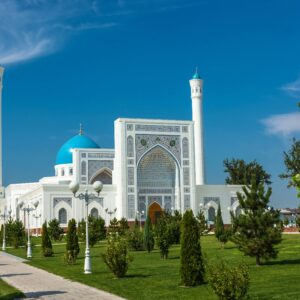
{"x": 64, "y": 155}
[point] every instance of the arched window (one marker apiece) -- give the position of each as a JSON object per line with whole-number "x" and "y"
{"x": 62, "y": 216}
{"x": 83, "y": 168}
{"x": 62, "y": 172}
{"x": 211, "y": 214}
{"x": 185, "y": 148}
{"x": 104, "y": 176}
{"x": 95, "y": 213}
{"x": 130, "y": 146}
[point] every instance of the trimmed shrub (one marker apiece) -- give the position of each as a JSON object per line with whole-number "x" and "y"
{"x": 72, "y": 247}
{"x": 46, "y": 242}
{"x": 148, "y": 235}
{"x": 135, "y": 239}
{"x": 228, "y": 282}
{"x": 201, "y": 222}
{"x": 123, "y": 226}
{"x": 54, "y": 230}
{"x": 191, "y": 264}
{"x": 116, "y": 256}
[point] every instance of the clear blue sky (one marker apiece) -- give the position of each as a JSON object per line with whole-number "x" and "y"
{"x": 72, "y": 61}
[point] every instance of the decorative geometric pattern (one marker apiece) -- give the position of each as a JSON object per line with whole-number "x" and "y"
{"x": 83, "y": 167}
{"x": 144, "y": 142}
{"x": 185, "y": 148}
{"x": 157, "y": 128}
{"x": 101, "y": 155}
{"x": 130, "y": 147}
{"x": 186, "y": 176}
{"x": 186, "y": 162}
{"x": 185, "y": 128}
{"x": 130, "y": 176}
{"x": 131, "y": 207}
{"x": 152, "y": 199}
{"x": 129, "y": 127}
{"x": 68, "y": 200}
{"x": 187, "y": 202}
{"x": 156, "y": 191}
{"x": 186, "y": 190}
{"x": 130, "y": 161}
{"x": 211, "y": 199}
{"x": 95, "y": 165}
{"x": 168, "y": 203}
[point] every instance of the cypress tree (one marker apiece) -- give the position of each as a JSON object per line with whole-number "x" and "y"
{"x": 191, "y": 264}
{"x": 201, "y": 222}
{"x": 46, "y": 242}
{"x": 257, "y": 229}
{"x": 219, "y": 228}
{"x": 148, "y": 235}
{"x": 72, "y": 247}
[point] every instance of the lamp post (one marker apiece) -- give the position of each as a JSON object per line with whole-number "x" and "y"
{"x": 140, "y": 214}
{"x": 4, "y": 218}
{"x": 110, "y": 213}
{"x": 74, "y": 187}
{"x": 29, "y": 209}
{"x": 36, "y": 223}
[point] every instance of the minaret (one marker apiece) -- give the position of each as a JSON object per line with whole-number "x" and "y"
{"x": 1, "y": 78}
{"x": 196, "y": 84}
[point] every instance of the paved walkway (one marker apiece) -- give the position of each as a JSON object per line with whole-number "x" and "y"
{"x": 39, "y": 284}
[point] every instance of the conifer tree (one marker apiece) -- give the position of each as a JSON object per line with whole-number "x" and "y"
{"x": 191, "y": 264}
{"x": 148, "y": 235}
{"x": 46, "y": 242}
{"x": 72, "y": 247}
{"x": 54, "y": 230}
{"x": 201, "y": 222}
{"x": 257, "y": 229}
{"x": 222, "y": 234}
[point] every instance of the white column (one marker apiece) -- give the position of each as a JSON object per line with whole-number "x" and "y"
{"x": 196, "y": 94}
{"x": 1, "y": 77}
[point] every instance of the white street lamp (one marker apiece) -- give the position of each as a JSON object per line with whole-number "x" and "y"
{"x": 36, "y": 223}
{"x": 110, "y": 213}
{"x": 29, "y": 209}
{"x": 74, "y": 187}
{"x": 4, "y": 218}
{"x": 140, "y": 214}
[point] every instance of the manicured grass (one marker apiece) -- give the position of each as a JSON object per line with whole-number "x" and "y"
{"x": 149, "y": 277}
{"x": 7, "y": 292}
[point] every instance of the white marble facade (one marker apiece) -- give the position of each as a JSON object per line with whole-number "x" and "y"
{"x": 154, "y": 161}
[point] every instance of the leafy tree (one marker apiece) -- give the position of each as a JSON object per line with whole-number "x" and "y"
{"x": 116, "y": 256}
{"x": 55, "y": 231}
{"x": 201, "y": 222}
{"x": 163, "y": 236}
{"x": 229, "y": 282}
{"x": 292, "y": 163}
{"x": 240, "y": 172}
{"x": 191, "y": 264}
{"x": 148, "y": 235}
{"x": 72, "y": 247}
{"x": 258, "y": 229}
{"x": 96, "y": 230}
{"x": 46, "y": 242}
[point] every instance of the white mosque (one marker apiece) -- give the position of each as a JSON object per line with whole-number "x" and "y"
{"x": 156, "y": 165}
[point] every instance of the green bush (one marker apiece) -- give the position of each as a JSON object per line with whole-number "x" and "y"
{"x": 201, "y": 222}
{"x": 54, "y": 230}
{"x": 123, "y": 226}
{"x": 148, "y": 235}
{"x": 15, "y": 233}
{"x": 228, "y": 282}
{"x": 116, "y": 256}
{"x": 163, "y": 236}
{"x": 114, "y": 227}
{"x": 72, "y": 246}
{"x": 135, "y": 239}
{"x": 46, "y": 242}
{"x": 191, "y": 264}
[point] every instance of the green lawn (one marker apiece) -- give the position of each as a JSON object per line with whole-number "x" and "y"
{"x": 149, "y": 277}
{"x": 7, "y": 292}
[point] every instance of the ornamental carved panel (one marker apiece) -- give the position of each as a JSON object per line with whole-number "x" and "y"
{"x": 96, "y": 165}
{"x": 144, "y": 142}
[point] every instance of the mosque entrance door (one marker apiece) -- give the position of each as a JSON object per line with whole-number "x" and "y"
{"x": 155, "y": 212}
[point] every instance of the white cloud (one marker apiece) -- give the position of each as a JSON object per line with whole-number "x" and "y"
{"x": 292, "y": 88}
{"x": 282, "y": 124}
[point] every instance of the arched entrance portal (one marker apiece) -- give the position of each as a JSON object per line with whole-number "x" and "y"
{"x": 157, "y": 181}
{"x": 155, "y": 212}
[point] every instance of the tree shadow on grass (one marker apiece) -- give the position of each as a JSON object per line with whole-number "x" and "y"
{"x": 283, "y": 262}
{"x": 174, "y": 257}
{"x": 136, "y": 276}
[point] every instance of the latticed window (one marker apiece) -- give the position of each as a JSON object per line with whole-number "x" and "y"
{"x": 62, "y": 216}
{"x": 185, "y": 148}
{"x": 211, "y": 214}
{"x": 83, "y": 168}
